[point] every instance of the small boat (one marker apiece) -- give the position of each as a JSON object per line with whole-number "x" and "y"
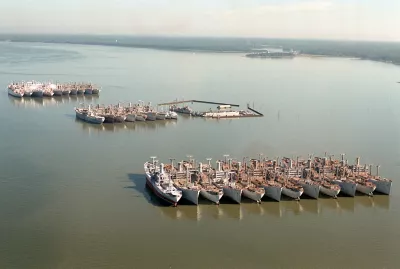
{"x": 131, "y": 117}
{"x": 74, "y": 91}
{"x": 16, "y": 92}
{"x": 161, "y": 185}
{"x": 81, "y": 91}
{"x": 88, "y": 91}
{"x": 95, "y": 91}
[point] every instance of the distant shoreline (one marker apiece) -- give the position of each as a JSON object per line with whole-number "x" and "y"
{"x": 328, "y": 49}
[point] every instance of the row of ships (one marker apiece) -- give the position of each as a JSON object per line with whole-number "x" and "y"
{"x": 48, "y": 89}
{"x": 119, "y": 113}
{"x": 259, "y": 178}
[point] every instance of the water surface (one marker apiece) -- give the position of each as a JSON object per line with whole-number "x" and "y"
{"x": 72, "y": 194}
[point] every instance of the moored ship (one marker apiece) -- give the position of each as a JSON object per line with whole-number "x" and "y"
{"x": 161, "y": 185}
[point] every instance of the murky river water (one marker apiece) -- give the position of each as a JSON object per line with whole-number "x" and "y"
{"x": 72, "y": 194}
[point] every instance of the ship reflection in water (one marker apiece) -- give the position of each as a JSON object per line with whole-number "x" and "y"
{"x": 32, "y": 102}
{"x": 126, "y": 126}
{"x": 284, "y": 209}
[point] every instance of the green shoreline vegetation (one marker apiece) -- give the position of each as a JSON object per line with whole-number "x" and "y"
{"x": 388, "y": 52}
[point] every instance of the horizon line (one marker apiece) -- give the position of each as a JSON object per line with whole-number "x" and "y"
{"x": 199, "y": 36}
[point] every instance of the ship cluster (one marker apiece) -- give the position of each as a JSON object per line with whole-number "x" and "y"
{"x": 119, "y": 113}
{"x": 261, "y": 177}
{"x": 48, "y": 89}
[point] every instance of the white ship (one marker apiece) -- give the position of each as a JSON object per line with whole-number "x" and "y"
{"x": 364, "y": 186}
{"x": 65, "y": 91}
{"x": 182, "y": 110}
{"x": 329, "y": 189}
{"x": 58, "y": 92}
{"x": 48, "y": 92}
{"x": 161, "y": 185}
{"x": 252, "y": 192}
{"x": 347, "y": 187}
{"x": 161, "y": 115}
{"x": 88, "y": 90}
{"x": 87, "y": 115}
{"x": 292, "y": 190}
{"x": 273, "y": 190}
{"x": 131, "y": 117}
{"x": 182, "y": 181}
{"x": 190, "y": 191}
{"x": 57, "y": 89}
{"x": 224, "y": 180}
{"x": 141, "y": 117}
{"x": 27, "y": 92}
{"x": 151, "y": 116}
{"x": 311, "y": 188}
{"x": 209, "y": 190}
{"x": 16, "y": 92}
{"x": 173, "y": 115}
{"x": 232, "y": 191}
{"x": 37, "y": 93}
{"x": 383, "y": 185}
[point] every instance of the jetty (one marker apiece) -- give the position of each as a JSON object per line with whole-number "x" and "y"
{"x": 259, "y": 178}
{"x": 223, "y": 110}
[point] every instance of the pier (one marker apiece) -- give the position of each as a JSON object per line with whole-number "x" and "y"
{"x": 223, "y": 110}
{"x": 196, "y": 101}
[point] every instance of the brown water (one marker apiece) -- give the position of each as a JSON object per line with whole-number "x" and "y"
{"x": 72, "y": 194}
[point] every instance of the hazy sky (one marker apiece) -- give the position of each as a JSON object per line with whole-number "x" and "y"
{"x": 332, "y": 19}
